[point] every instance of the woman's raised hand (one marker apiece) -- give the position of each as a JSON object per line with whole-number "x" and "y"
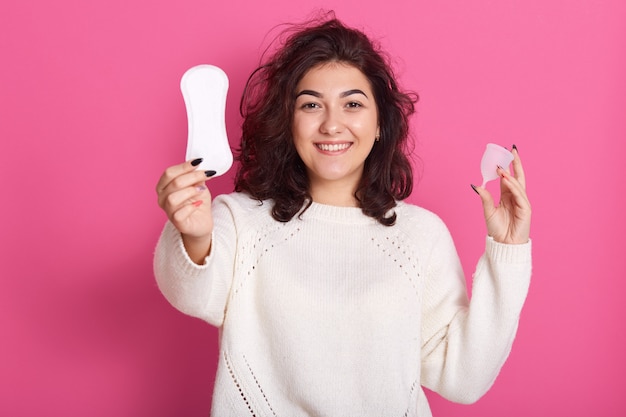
{"x": 509, "y": 221}
{"x": 186, "y": 200}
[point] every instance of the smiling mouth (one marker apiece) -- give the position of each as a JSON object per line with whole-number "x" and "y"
{"x": 334, "y": 147}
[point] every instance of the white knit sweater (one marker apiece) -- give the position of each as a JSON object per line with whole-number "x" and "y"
{"x": 334, "y": 314}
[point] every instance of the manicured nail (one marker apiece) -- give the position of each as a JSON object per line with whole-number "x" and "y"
{"x": 196, "y": 162}
{"x": 197, "y": 203}
{"x": 515, "y": 148}
{"x": 209, "y": 173}
{"x": 474, "y": 188}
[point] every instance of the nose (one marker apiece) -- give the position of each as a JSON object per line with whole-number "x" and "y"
{"x": 332, "y": 122}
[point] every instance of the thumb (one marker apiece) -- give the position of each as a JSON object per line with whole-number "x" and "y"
{"x": 486, "y": 198}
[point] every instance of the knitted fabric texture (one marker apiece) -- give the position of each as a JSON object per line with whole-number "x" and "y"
{"x": 334, "y": 314}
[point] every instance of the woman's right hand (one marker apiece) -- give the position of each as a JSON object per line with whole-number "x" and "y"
{"x": 183, "y": 195}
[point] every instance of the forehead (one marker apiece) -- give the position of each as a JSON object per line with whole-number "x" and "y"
{"x": 330, "y": 75}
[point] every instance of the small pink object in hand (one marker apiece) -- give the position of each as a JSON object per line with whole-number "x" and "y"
{"x": 494, "y": 156}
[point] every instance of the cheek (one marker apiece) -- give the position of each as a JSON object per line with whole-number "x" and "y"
{"x": 366, "y": 121}
{"x": 296, "y": 125}
{"x": 367, "y": 128}
{"x": 298, "y": 138}
{"x": 303, "y": 127}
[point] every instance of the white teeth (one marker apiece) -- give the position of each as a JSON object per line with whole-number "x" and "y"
{"x": 334, "y": 147}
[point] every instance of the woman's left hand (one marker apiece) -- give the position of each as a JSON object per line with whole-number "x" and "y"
{"x": 509, "y": 221}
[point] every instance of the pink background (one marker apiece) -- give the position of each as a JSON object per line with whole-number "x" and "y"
{"x": 91, "y": 113}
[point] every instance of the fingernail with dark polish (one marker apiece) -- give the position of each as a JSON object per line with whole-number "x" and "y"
{"x": 209, "y": 173}
{"x": 474, "y": 188}
{"x": 196, "y": 162}
{"x": 515, "y": 147}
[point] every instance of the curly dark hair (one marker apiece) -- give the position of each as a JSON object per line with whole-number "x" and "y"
{"x": 270, "y": 167}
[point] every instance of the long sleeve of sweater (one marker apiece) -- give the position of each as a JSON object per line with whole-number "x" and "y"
{"x": 466, "y": 342}
{"x": 197, "y": 290}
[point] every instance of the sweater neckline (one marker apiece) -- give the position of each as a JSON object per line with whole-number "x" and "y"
{"x": 340, "y": 214}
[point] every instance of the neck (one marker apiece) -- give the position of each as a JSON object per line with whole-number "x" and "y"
{"x": 334, "y": 194}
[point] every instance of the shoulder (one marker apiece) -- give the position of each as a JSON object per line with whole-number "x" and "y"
{"x": 242, "y": 209}
{"x": 240, "y": 203}
{"x": 411, "y": 217}
{"x": 421, "y": 226}
{"x": 427, "y": 232}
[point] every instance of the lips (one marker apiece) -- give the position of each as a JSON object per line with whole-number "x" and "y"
{"x": 333, "y": 147}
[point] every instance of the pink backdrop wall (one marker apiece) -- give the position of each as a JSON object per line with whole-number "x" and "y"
{"x": 91, "y": 113}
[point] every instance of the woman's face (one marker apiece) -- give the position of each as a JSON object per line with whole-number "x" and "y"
{"x": 335, "y": 125}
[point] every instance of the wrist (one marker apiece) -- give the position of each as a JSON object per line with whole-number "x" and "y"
{"x": 197, "y": 247}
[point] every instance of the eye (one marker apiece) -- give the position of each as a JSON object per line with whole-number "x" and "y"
{"x": 353, "y": 105}
{"x": 309, "y": 106}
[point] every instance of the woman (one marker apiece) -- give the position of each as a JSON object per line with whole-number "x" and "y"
{"x": 333, "y": 296}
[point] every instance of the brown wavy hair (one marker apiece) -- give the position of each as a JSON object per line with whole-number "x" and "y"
{"x": 269, "y": 166}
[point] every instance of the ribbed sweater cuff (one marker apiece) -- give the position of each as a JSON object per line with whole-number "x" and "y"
{"x": 508, "y": 253}
{"x": 179, "y": 255}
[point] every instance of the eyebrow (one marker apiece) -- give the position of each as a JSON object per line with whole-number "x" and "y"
{"x": 342, "y": 95}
